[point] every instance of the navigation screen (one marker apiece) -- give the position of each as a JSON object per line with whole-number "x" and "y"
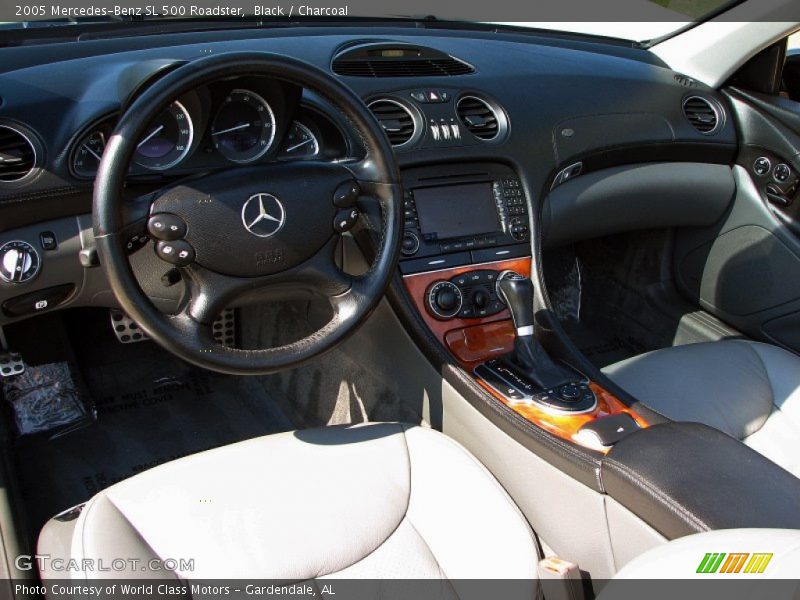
{"x": 456, "y": 210}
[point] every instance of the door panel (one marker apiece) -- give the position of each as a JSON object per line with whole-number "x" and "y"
{"x": 746, "y": 268}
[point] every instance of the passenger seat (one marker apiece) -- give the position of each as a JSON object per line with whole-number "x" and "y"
{"x": 748, "y": 390}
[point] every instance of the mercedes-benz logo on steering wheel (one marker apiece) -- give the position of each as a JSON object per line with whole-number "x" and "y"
{"x": 263, "y": 215}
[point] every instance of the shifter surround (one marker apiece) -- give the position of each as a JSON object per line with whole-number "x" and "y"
{"x": 475, "y": 340}
{"x": 516, "y": 388}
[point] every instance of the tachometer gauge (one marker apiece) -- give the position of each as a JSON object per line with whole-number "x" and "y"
{"x": 167, "y": 140}
{"x": 300, "y": 142}
{"x": 244, "y": 127}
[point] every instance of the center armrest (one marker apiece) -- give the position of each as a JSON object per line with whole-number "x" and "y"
{"x": 682, "y": 478}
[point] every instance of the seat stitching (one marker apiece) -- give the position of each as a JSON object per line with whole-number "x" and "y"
{"x": 399, "y": 523}
{"x": 769, "y": 383}
{"x": 495, "y": 483}
{"x": 669, "y": 502}
{"x": 136, "y": 531}
{"x": 428, "y": 546}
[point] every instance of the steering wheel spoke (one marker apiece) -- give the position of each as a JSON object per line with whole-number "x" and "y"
{"x": 210, "y": 292}
{"x": 321, "y": 275}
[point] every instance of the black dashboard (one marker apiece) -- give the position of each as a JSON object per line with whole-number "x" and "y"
{"x": 508, "y": 114}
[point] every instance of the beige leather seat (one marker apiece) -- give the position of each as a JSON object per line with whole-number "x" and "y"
{"x": 748, "y": 390}
{"x": 376, "y": 501}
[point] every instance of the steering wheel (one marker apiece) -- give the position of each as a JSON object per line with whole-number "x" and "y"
{"x": 243, "y": 228}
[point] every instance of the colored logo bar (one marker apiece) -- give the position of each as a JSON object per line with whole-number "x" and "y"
{"x": 735, "y": 562}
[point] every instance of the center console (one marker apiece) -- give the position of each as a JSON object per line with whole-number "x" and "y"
{"x": 466, "y": 260}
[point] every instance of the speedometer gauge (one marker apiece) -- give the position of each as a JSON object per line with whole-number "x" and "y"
{"x": 167, "y": 140}
{"x": 244, "y": 127}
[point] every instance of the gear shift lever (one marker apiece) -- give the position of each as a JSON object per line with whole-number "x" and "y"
{"x": 516, "y": 292}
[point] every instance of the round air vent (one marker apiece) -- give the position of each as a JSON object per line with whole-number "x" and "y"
{"x": 396, "y": 119}
{"x": 17, "y": 155}
{"x": 480, "y": 119}
{"x": 704, "y": 115}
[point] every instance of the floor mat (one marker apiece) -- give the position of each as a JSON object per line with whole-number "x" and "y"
{"x": 335, "y": 388}
{"x": 152, "y": 408}
{"x": 616, "y": 285}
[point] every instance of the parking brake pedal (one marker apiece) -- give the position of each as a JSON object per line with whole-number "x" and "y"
{"x": 128, "y": 332}
{"x": 11, "y": 363}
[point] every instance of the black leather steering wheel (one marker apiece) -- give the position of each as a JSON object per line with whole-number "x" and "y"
{"x": 253, "y": 226}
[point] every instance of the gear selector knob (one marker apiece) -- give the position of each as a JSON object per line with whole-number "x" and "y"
{"x": 516, "y": 292}
{"x": 529, "y": 355}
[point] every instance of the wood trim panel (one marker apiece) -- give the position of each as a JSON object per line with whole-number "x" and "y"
{"x": 566, "y": 427}
{"x": 473, "y": 341}
{"x": 417, "y": 284}
{"x": 474, "y": 345}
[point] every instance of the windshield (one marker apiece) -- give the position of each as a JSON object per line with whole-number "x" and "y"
{"x": 632, "y": 20}
{"x": 650, "y": 19}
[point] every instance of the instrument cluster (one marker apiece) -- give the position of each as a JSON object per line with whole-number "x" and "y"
{"x": 238, "y": 121}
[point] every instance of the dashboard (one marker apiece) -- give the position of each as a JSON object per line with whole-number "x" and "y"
{"x": 483, "y": 125}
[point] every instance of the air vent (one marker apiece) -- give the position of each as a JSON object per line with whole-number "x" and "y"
{"x": 17, "y": 155}
{"x": 684, "y": 80}
{"x": 702, "y": 114}
{"x": 401, "y": 68}
{"x": 397, "y": 121}
{"x": 478, "y": 117}
{"x": 397, "y": 60}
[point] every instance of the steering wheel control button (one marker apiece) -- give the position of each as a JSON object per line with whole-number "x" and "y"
{"x": 19, "y": 262}
{"x": 167, "y": 227}
{"x": 345, "y": 220}
{"x": 782, "y": 173}
{"x": 136, "y": 243}
{"x": 410, "y": 244}
{"x": 346, "y": 194}
{"x": 48, "y": 240}
{"x": 178, "y": 252}
{"x": 444, "y": 299}
{"x": 761, "y": 166}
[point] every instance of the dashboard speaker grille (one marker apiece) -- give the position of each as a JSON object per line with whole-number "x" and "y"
{"x": 702, "y": 114}
{"x": 17, "y": 155}
{"x": 403, "y": 67}
{"x": 397, "y": 121}
{"x": 478, "y": 117}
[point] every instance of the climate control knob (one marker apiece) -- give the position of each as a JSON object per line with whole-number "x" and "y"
{"x": 444, "y": 299}
{"x": 19, "y": 262}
